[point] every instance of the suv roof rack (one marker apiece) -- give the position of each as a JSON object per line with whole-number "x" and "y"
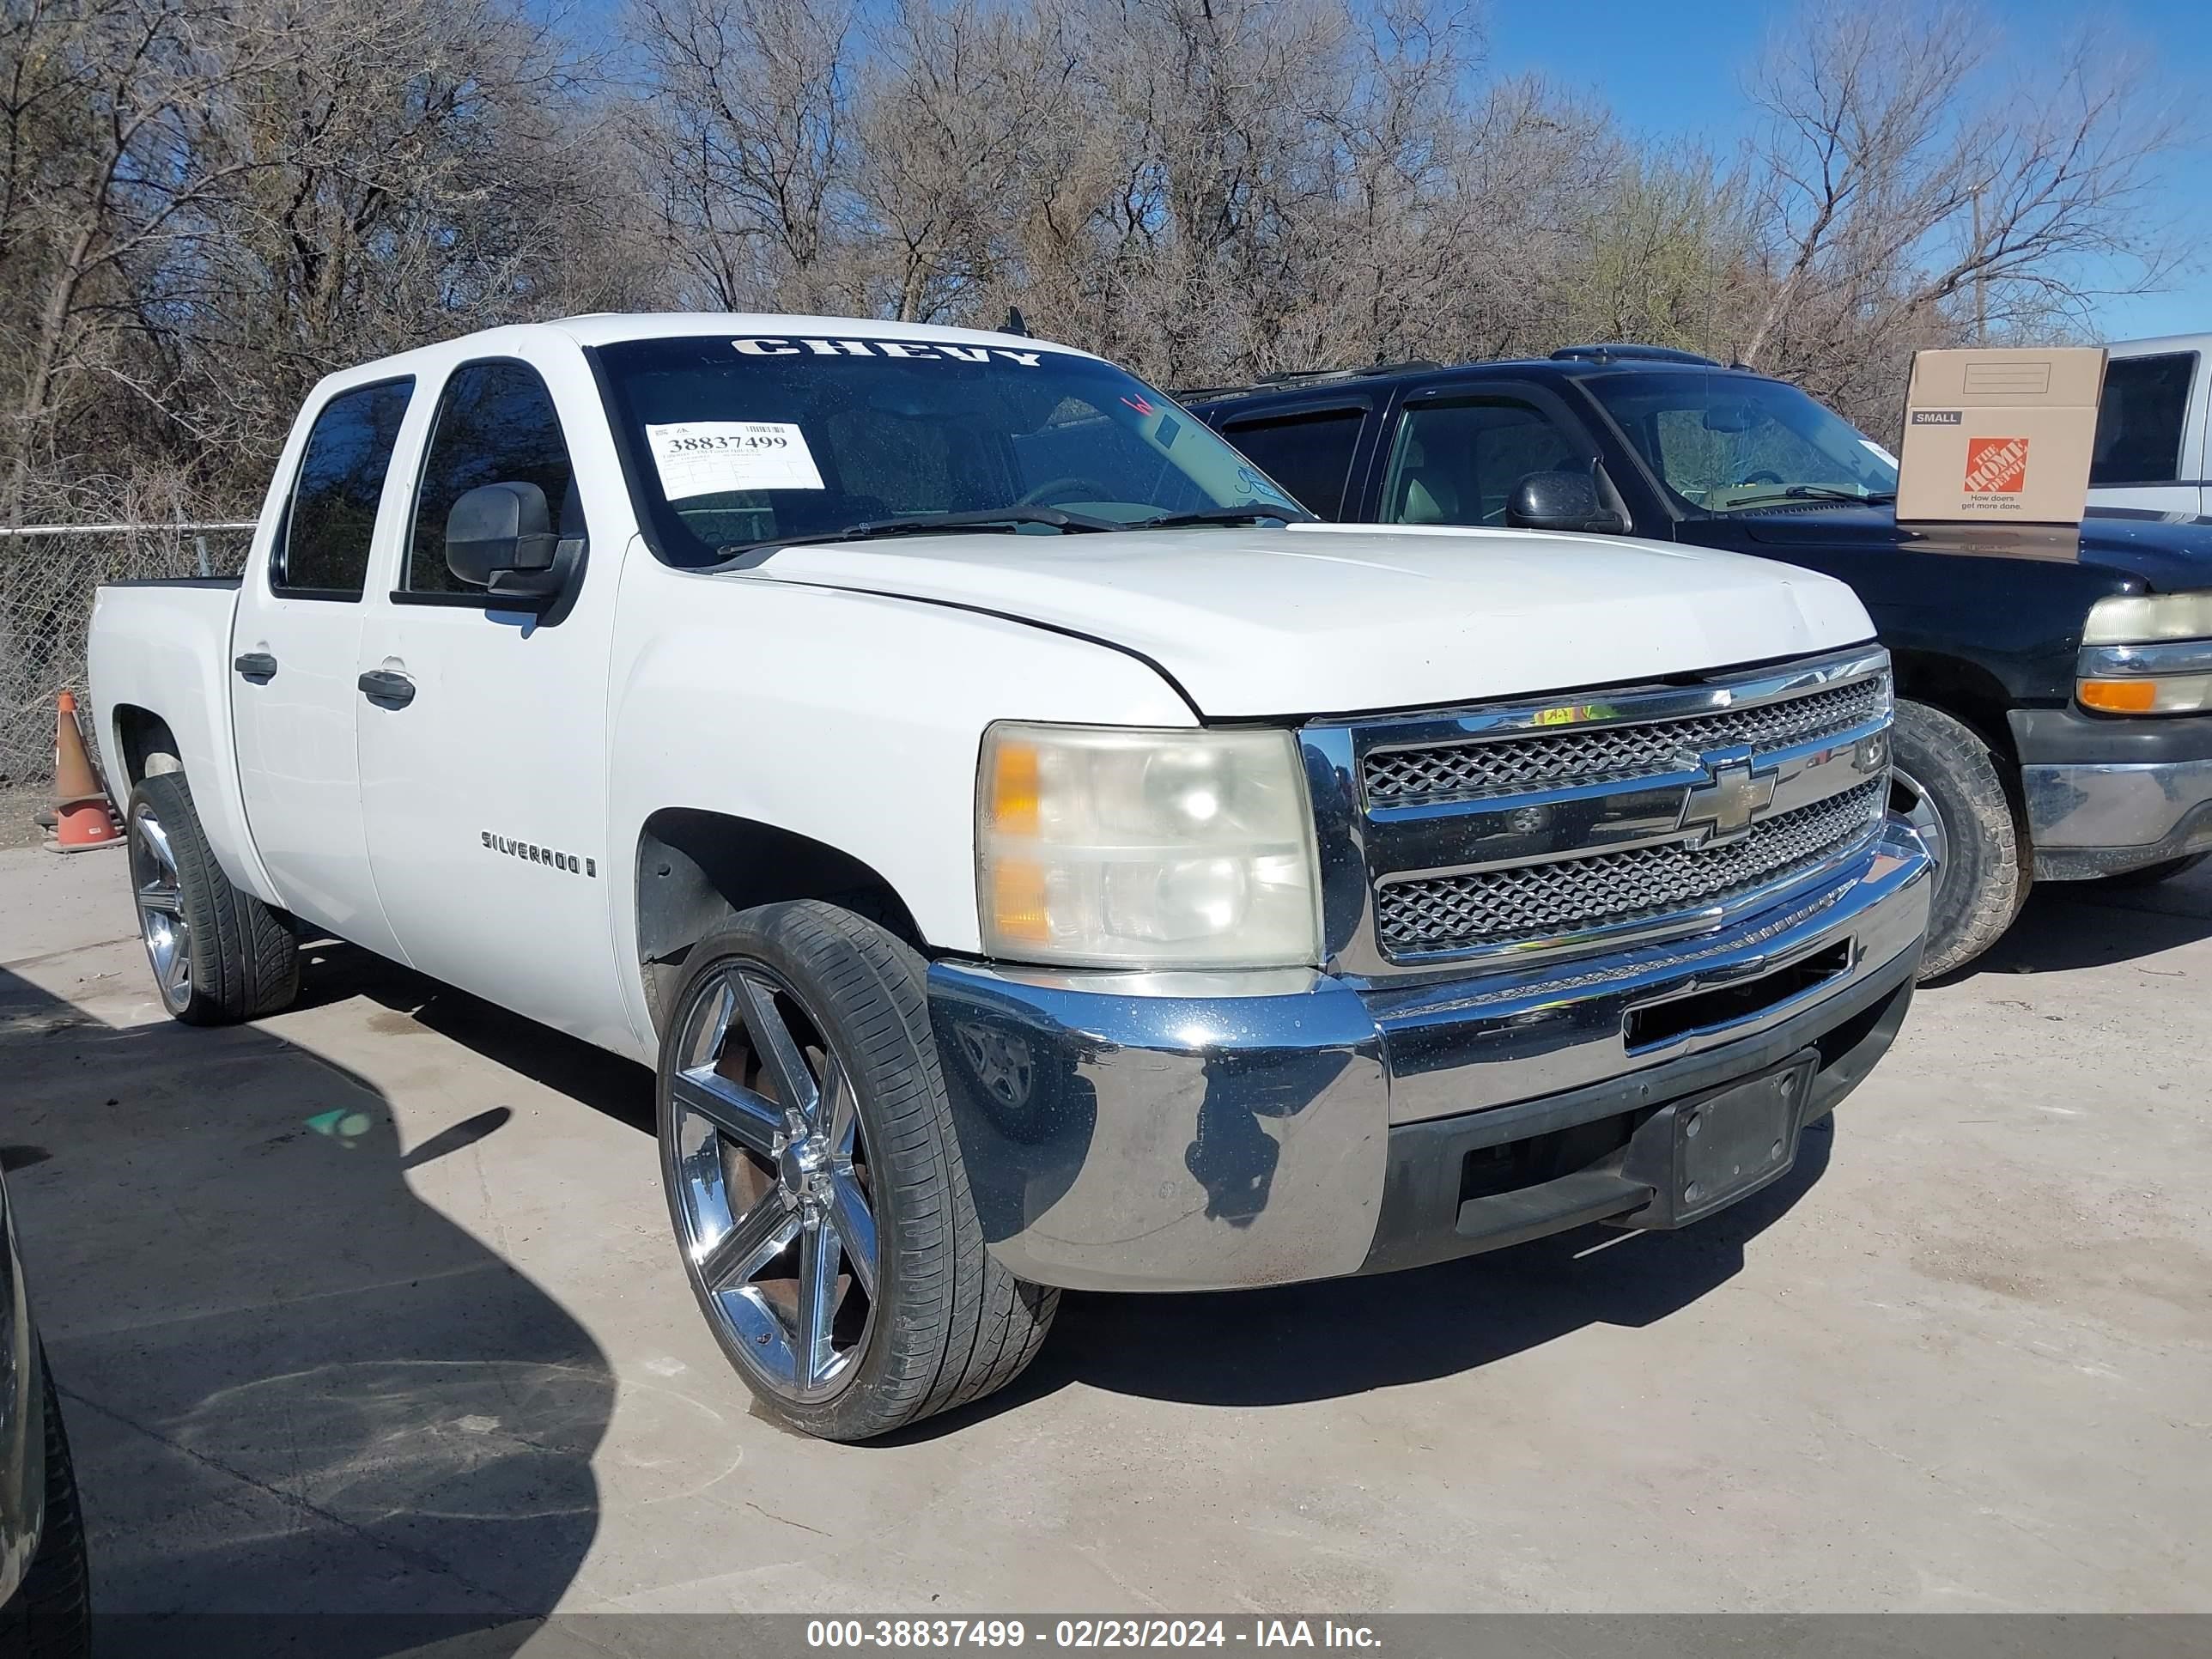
{"x": 1299, "y": 376}
{"x": 1628, "y": 352}
{"x": 1296, "y": 377}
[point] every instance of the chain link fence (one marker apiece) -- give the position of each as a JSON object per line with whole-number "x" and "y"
{"x": 48, "y": 573}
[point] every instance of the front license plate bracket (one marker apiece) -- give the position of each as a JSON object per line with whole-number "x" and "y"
{"x": 1702, "y": 1154}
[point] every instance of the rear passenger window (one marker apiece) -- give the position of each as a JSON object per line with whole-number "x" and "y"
{"x": 323, "y": 553}
{"x": 495, "y": 424}
{"x": 1310, "y": 455}
{"x": 2140, "y": 418}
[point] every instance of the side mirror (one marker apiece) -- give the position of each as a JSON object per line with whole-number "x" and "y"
{"x": 1567, "y": 500}
{"x": 501, "y": 536}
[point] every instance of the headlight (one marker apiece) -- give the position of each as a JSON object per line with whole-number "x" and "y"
{"x": 2140, "y": 619}
{"x": 1118, "y": 847}
{"x": 2147, "y": 653}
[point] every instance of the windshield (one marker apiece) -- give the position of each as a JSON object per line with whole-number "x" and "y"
{"x": 1724, "y": 442}
{"x": 742, "y": 441}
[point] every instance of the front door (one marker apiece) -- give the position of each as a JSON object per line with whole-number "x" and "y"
{"x": 1458, "y": 451}
{"x": 293, "y": 650}
{"x": 483, "y": 768}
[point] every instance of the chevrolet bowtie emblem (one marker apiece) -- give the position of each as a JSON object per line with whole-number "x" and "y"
{"x": 1731, "y": 798}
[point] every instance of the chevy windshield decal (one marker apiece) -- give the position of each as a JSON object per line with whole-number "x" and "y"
{"x": 771, "y": 345}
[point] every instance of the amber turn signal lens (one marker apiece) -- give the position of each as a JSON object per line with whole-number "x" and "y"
{"x": 2118, "y": 696}
{"x": 1018, "y": 903}
{"x": 1014, "y": 788}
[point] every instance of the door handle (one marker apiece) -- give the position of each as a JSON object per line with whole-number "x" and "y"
{"x": 385, "y": 687}
{"x": 256, "y": 665}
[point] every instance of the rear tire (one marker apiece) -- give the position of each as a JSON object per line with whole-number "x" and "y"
{"x": 219, "y": 956}
{"x": 818, "y": 1199}
{"x": 50, "y": 1615}
{"x": 1981, "y": 879}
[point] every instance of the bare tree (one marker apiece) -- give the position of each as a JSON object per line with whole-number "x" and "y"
{"x": 1908, "y": 183}
{"x": 746, "y": 136}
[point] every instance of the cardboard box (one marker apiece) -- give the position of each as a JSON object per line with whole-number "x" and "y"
{"x": 2000, "y": 435}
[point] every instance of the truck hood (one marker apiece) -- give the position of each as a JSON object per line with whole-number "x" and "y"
{"x": 1340, "y": 619}
{"x": 2166, "y": 550}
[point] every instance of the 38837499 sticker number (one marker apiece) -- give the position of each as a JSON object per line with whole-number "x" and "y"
{"x": 715, "y": 457}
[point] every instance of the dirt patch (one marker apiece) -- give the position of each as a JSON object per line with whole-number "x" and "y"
{"x": 19, "y": 826}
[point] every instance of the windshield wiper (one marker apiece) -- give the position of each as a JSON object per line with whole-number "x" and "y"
{"x": 1827, "y": 493}
{"x": 1817, "y": 493}
{"x": 1255, "y": 513}
{"x": 1003, "y": 520}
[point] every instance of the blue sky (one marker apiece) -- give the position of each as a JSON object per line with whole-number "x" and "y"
{"x": 1671, "y": 67}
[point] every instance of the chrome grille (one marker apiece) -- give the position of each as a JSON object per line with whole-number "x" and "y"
{"x": 1545, "y": 758}
{"x": 1536, "y": 901}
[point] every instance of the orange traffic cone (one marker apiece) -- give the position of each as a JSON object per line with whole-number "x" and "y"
{"x": 81, "y": 820}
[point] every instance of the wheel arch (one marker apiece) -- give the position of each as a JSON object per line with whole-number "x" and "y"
{"x": 1969, "y": 694}
{"x": 696, "y": 868}
{"x": 145, "y": 745}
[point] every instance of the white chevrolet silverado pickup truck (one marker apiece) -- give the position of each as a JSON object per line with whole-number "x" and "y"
{"x": 1033, "y": 853}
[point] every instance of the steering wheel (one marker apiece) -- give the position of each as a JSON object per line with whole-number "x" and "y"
{"x": 1073, "y": 487}
{"x": 1768, "y": 476}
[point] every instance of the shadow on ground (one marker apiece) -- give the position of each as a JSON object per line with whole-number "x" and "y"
{"x": 1346, "y": 1336}
{"x": 333, "y": 971}
{"x": 2069, "y": 924}
{"x": 294, "y": 1388}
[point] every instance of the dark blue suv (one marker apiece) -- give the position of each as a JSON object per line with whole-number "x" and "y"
{"x": 2055, "y": 681}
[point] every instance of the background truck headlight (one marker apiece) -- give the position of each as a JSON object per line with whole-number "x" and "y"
{"x": 1103, "y": 847}
{"x": 2147, "y": 653}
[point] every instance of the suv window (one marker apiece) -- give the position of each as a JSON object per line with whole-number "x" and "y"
{"x": 323, "y": 552}
{"x": 1310, "y": 455}
{"x": 2140, "y": 417}
{"x": 1457, "y": 462}
{"x": 495, "y": 424}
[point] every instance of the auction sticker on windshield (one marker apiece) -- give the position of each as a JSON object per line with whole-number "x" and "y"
{"x": 716, "y": 458}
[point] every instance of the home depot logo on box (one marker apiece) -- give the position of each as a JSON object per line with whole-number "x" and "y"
{"x": 1996, "y": 466}
{"x": 1972, "y": 416}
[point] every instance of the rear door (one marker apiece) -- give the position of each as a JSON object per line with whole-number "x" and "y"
{"x": 484, "y": 782}
{"x": 2151, "y": 438}
{"x": 293, "y": 648}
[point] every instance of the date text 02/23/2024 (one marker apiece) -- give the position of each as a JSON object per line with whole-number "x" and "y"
{"x": 1086, "y": 1633}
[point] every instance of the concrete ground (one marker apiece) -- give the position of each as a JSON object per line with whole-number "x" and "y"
{"x": 374, "y": 1307}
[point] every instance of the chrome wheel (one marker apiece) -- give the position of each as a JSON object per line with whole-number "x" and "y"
{"x": 1910, "y": 801}
{"x": 770, "y": 1172}
{"x": 160, "y": 893}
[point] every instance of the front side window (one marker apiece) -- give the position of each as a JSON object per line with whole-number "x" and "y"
{"x": 1730, "y": 442}
{"x": 1311, "y": 453}
{"x": 1457, "y": 462}
{"x": 2140, "y": 417}
{"x": 495, "y": 424}
{"x": 746, "y": 442}
{"x": 322, "y": 550}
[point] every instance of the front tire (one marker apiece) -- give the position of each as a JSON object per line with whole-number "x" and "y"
{"x": 219, "y": 956}
{"x": 815, "y": 1183}
{"x": 1946, "y": 785}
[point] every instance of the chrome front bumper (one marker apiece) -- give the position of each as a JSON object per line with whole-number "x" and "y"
{"x": 2102, "y": 819}
{"x": 1195, "y": 1131}
{"x": 2105, "y": 795}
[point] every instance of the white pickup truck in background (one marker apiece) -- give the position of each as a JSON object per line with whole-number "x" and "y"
{"x": 1031, "y": 852}
{"x": 2153, "y": 445}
